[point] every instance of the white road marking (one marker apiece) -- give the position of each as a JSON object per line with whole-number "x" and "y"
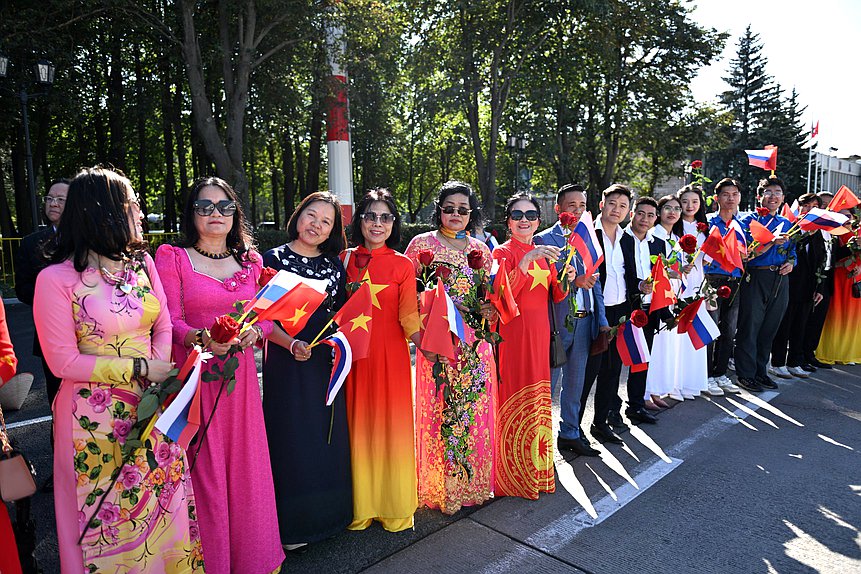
{"x": 29, "y": 422}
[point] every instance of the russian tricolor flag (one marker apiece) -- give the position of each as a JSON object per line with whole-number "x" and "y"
{"x": 632, "y": 346}
{"x": 821, "y": 219}
{"x": 181, "y": 419}
{"x": 343, "y": 362}
{"x": 584, "y": 239}
{"x": 763, "y": 158}
{"x": 699, "y": 325}
{"x": 455, "y": 319}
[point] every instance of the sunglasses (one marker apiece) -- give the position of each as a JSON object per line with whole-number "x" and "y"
{"x": 205, "y": 207}
{"x": 517, "y": 215}
{"x": 371, "y": 217}
{"x": 449, "y": 209}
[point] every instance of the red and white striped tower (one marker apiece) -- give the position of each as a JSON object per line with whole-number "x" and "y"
{"x": 340, "y": 166}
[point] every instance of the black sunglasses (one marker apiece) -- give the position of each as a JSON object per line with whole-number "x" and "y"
{"x": 205, "y": 207}
{"x": 517, "y": 215}
{"x": 449, "y": 209}
{"x": 371, "y": 217}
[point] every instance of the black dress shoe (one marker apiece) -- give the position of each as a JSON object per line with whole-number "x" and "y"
{"x": 808, "y": 367}
{"x": 816, "y": 363}
{"x": 766, "y": 383}
{"x": 603, "y": 433}
{"x": 749, "y": 385}
{"x": 576, "y": 446}
{"x": 641, "y": 415}
{"x": 615, "y": 420}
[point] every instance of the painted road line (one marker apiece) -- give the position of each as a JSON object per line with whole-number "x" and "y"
{"x": 28, "y": 422}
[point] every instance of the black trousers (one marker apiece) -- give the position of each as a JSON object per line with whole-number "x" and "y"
{"x": 788, "y": 346}
{"x": 606, "y": 369}
{"x": 816, "y": 321}
{"x": 763, "y": 301}
{"x": 719, "y": 352}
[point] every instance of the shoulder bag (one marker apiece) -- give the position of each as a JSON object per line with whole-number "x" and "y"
{"x": 17, "y": 475}
{"x": 558, "y": 356}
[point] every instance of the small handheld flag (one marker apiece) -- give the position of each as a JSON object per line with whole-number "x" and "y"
{"x": 354, "y": 321}
{"x": 821, "y": 219}
{"x": 662, "y": 290}
{"x": 843, "y": 199}
{"x": 715, "y": 248}
{"x": 343, "y": 362}
{"x": 763, "y": 158}
{"x": 633, "y": 347}
{"x": 760, "y": 233}
{"x": 502, "y": 297}
{"x": 584, "y": 239}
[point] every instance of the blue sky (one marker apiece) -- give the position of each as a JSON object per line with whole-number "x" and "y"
{"x": 812, "y": 46}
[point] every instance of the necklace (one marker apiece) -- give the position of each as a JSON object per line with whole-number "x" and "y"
{"x": 119, "y": 279}
{"x": 210, "y": 255}
{"x": 452, "y": 244}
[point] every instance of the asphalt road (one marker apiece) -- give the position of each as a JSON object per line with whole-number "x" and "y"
{"x": 743, "y": 484}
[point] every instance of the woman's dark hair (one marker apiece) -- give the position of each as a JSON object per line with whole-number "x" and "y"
{"x": 678, "y": 226}
{"x": 336, "y": 242}
{"x": 96, "y": 218}
{"x": 451, "y": 188}
{"x": 376, "y": 194}
{"x": 240, "y": 241}
{"x": 700, "y": 215}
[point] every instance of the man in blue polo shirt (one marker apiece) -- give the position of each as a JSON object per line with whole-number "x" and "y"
{"x": 764, "y": 291}
{"x": 728, "y": 192}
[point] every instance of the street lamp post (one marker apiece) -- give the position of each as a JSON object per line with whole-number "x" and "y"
{"x": 831, "y": 151}
{"x": 516, "y": 146}
{"x": 44, "y": 73}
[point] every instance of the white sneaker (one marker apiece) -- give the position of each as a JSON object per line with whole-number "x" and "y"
{"x": 781, "y": 372}
{"x": 713, "y": 388}
{"x": 798, "y": 372}
{"x": 727, "y": 385}
{"x": 731, "y": 364}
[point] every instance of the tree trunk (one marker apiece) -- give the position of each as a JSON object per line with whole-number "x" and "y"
{"x": 287, "y": 166}
{"x": 23, "y": 215}
{"x": 116, "y": 123}
{"x": 141, "y": 113}
{"x": 252, "y": 169}
{"x": 167, "y": 117}
{"x": 7, "y": 227}
{"x": 179, "y": 136}
{"x": 273, "y": 179}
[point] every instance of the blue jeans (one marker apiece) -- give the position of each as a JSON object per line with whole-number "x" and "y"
{"x": 572, "y": 375}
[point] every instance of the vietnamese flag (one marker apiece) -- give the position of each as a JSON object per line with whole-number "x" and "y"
{"x": 733, "y": 248}
{"x": 786, "y": 212}
{"x": 686, "y": 316}
{"x": 715, "y": 248}
{"x": 437, "y": 336}
{"x": 354, "y": 320}
{"x": 843, "y": 199}
{"x": 502, "y": 297}
{"x": 662, "y": 290}
{"x": 760, "y": 233}
{"x": 294, "y": 308}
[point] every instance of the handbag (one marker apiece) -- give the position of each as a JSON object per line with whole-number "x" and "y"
{"x": 558, "y": 356}
{"x": 17, "y": 475}
{"x": 600, "y": 344}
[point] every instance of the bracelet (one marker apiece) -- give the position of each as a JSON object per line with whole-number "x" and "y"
{"x": 259, "y": 330}
{"x": 198, "y": 338}
{"x": 145, "y": 364}
{"x": 136, "y": 368}
{"x": 291, "y": 346}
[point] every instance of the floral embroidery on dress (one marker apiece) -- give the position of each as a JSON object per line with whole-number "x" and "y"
{"x": 233, "y": 282}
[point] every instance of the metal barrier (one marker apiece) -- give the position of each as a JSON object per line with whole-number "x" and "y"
{"x": 9, "y": 247}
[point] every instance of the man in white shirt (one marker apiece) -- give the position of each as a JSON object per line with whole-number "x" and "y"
{"x": 606, "y": 367}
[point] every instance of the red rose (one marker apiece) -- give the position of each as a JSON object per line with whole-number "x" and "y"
{"x": 475, "y": 259}
{"x": 425, "y": 257}
{"x": 639, "y": 318}
{"x": 225, "y": 329}
{"x": 442, "y": 272}
{"x": 697, "y": 164}
{"x": 688, "y": 243}
{"x": 362, "y": 259}
{"x": 567, "y": 219}
{"x": 762, "y": 211}
{"x": 724, "y": 291}
{"x": 702, "y": 227}
{"x": 266, "y": 275}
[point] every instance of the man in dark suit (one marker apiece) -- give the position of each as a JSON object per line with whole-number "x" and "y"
{"x": 804, "y": 291}
{"x": 606, "y": 367}
{"x": 30, "y": 260}
{"x": 816, "y": 321}
{"x": 588, "y": 320}
{"x": 638, "y": 246}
